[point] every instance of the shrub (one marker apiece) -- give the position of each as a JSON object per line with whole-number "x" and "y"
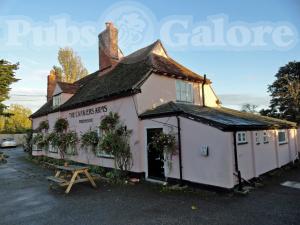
{"x": 115, "y": 141}
{"x": 90, "y": 139}
{"x": 61, "y": 125}
{"x": 44, "y": 125}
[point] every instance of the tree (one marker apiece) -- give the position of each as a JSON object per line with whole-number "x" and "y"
{"x": 17, "y": 122}
{"x": 249, "y": 108}
{"x": 285, "y": 93}
{"x": 58, "y": 72}
{"x": 7, "y": 77}
{"x": 72, "y": 68}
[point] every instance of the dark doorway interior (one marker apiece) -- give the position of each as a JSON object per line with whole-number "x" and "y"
{"x": 155, "y": 158}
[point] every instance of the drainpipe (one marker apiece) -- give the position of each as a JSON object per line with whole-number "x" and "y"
{"x": 236, "y": 161}
{"x": 203, "y": 94}
{"x": 179, "y": 149}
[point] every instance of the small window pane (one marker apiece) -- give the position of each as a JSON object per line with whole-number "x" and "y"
{"x": 241, "y": 137}
{"x": 184, "y": 91}
{"x": 282, "y": 137}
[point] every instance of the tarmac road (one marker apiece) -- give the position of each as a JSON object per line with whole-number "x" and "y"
{"x": 25, "y": 198}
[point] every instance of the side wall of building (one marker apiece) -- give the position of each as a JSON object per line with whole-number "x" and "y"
{"x": 256, "y": 158}
{"x": 82, "y": 123}
{"x": 159, "y": 89}
{"x": 215, "y": 169}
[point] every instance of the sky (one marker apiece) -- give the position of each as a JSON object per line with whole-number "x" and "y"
{"x": 239, "y": 45}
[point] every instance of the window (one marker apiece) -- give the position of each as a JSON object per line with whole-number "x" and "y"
{"x": 257, "y": 138}
{"x": 99, "y": 132}
{"x": 56, "y": 100}
{"x": 282, "y": 137}
{"x": 241, "y": 138}
{"x": 184, "y": 91}
{"x": 52, "y": 149}
{"x": 99, "y": 152}
{"x": 265, "y": 137}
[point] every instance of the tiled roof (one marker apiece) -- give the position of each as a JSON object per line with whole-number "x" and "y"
{"x": 70, "y": 88}
{"x": 44, "y": 110}
{"x": 123, "y": 80}
{"x": 221, "y": 118}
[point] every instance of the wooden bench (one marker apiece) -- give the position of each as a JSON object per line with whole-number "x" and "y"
{"x": 78, "y": 174}
{"x": 58, "y": 180}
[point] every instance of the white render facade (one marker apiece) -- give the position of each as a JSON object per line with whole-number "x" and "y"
{"x": 215, "y": 143}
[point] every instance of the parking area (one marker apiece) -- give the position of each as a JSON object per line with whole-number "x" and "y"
{"x": 26, "y": 199}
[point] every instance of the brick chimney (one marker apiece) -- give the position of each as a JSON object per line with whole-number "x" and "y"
{"x": 52, "y": 79}
{"x": 109, "y": 53}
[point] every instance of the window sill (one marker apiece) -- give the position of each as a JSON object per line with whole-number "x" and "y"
{"x": 266, "y": 142}
{"x": 242, "y": 143}
{"x": 186, "y": 102}
{"x": 55, "y": 152}
{"x": 282, "y": 143}
{"x": 105, "y": 156}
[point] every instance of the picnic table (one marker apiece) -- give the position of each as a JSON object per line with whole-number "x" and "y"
{"x": 71, "y": 174}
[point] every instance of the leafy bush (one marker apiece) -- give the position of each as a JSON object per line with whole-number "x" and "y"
{"x": 115, "y": 141}
{"x": 90, "y": 139}
{"x": 39, "y": 140}
{"x": 44, "y": 125}
{"x": 110, "y": 121}
{"x": 164, "y": 142}
{"x": 62, "y": 141}
{"x": 28, "y": 141}
{"x": 61, "y": 125}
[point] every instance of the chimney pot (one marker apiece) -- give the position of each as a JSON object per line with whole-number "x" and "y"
{"x": 109, "y": 53}
{"x": 51, "y": 82}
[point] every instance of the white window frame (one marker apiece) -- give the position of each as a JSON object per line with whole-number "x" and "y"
{"x": 257, "y": 137}
{"x": 265, "y": 137}
{"x": 35, "y": 146}
{"x": 285, "y": 141}
{"x": 184, "y": 91}
{"x": 241, "y": 137}
{"x": 57, "y": 100}
{"x": 52, "y": 149}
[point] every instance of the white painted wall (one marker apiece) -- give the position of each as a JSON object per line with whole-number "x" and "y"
{"x": 124, "y": 107}
{"x": 216, "y": 169}
{"x": 159, "y": 89}
{"x": 257, "y": 159}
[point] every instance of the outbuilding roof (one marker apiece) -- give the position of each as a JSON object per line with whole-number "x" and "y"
{"x": 124, "y": 79}
{"x": 220, "y": 117}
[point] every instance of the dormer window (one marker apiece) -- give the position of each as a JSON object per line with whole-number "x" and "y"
{"x": 56, "y": 100}
{"x": 184, "y": 91}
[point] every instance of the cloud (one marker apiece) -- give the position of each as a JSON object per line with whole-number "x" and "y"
{"x": 237, "y": 100}
{"x": 28, "y": 97}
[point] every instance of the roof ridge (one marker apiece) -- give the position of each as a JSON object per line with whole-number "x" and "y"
{"x": 258, "y": 115}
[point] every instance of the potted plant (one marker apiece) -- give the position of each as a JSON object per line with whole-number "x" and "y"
{"x": 165, "y": 143}
{"x": 61, "y": 125}
{"x": 39, "y": 140}
{"x": 44, "y": 125}
{"x": 69, "y": 142}
{"x": 54, "y": 141}
{"x": 89, "y": 140}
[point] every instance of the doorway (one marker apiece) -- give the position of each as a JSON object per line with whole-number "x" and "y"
{"x": 155, "y": 158}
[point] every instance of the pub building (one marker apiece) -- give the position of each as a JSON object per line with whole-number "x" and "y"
{"x": 151, "y": 92}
